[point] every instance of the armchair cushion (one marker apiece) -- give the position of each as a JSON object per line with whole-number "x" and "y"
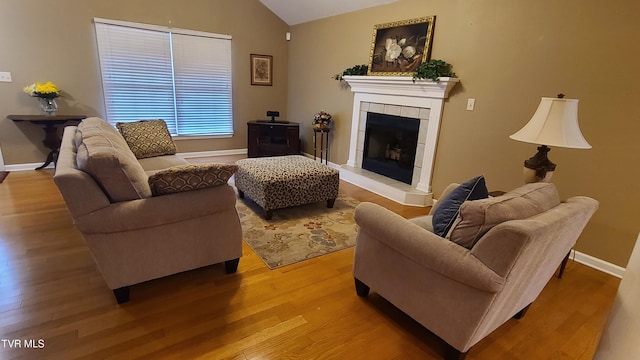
{"x": 190, "y": 177}
{"x": 447, "y": 211}
{"x": 477, "y": 217}
{"x": 147, "y": 138}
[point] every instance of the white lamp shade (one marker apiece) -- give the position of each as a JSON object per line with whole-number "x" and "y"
{"x": 555, "y": 123}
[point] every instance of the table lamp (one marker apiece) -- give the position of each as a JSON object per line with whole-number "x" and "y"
{"x": 555, "y": 123}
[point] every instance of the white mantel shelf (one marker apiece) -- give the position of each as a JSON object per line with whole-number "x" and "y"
{"x": 397, "y": 94}
{"x": 401, "y": 86}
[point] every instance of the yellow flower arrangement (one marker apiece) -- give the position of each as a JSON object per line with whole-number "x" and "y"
{"x": 46, "y": 90}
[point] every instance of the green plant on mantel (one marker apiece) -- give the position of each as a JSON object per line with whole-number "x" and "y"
{"x": 433, "y": 70}
{"x": 354, "y": 70}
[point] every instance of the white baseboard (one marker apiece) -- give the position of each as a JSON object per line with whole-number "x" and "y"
{"x": 601, "y": 265}
{"x": 329, "y": 163}
{"x": 195, "y": 154}
{"x": 199, "y": 154}
{"x": 23, "y": 167}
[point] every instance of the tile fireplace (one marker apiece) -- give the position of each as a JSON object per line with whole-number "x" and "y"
{"x": 397, "y": 97}
{"x": 390, "y": 144}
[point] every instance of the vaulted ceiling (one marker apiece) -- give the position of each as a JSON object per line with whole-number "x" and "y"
{"x": 299, "y": 11}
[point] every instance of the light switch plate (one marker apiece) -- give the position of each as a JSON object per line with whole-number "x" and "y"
{"x": 471, "y": 104}
{"x": 5, "y": 76}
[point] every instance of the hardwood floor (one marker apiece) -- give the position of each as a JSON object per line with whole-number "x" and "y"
{"x": 50, "y": 290}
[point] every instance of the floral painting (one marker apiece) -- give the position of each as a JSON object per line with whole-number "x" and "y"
{"x": 261, "y": 69}
{"x": 399, "y": 47}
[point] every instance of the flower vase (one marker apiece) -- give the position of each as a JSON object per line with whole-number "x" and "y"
{"x": 49, "y": 106}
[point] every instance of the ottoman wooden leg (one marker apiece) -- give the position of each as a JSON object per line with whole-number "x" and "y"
{"x": 268, "y": 214}
{"x": 241, "y": 194}
{"x": 330, "y": 203}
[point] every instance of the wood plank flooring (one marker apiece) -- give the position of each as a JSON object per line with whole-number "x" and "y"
{"x": 50, "y": 290}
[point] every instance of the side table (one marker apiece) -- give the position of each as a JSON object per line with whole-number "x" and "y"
{"x": 50, "y": 125}
{"x": 324, "y": 143}
{"x": 277, "y": 138}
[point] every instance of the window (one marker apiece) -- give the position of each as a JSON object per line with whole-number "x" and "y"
{"x": 152, "y": 72}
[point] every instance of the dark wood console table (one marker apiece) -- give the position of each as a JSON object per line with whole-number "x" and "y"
{"x": 50, "y": 125}
{"x": 266, "y": 138}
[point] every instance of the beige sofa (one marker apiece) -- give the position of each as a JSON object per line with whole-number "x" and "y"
{"x": 133, "y": 235}
{"x": 461, "y": 294}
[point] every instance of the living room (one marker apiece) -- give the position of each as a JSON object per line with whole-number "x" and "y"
{"x": 507, "y": 57}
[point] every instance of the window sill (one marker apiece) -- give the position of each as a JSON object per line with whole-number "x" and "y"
{"x": 200, "y": 137}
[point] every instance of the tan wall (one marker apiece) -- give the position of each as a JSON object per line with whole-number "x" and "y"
{"x": 54, "y": 40}
{"x": 508, "y": 54}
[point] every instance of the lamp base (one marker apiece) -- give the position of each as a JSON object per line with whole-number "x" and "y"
{"x": 530, "y": 176}
{"x": 539, "y": 167}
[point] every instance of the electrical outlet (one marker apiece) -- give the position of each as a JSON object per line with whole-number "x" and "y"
{"x": 471, "y": 103}
{"x": 5, "y": 76}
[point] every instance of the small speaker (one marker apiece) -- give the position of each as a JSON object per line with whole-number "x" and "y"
{"x": 273, "y": 115}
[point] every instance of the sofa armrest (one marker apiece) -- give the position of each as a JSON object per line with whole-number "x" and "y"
{"x": 501, "y": 246}
{"x": 424, "y": 248}
{"x": 158, "y": 210}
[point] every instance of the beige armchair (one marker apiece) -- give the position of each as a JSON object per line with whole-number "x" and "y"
{"x": 461, "y": 294}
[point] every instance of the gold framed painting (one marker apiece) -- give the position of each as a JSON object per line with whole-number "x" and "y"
{"x": 261, "y": 69}
{"x": 399, "y": 47}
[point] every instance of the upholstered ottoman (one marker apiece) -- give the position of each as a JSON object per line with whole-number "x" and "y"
{"x": 283, "y": 181}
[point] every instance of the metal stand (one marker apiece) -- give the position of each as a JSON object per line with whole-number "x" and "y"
{"x": 324, "y": 144}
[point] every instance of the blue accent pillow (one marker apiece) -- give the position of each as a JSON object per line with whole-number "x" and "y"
{"x": 447, "y": 211}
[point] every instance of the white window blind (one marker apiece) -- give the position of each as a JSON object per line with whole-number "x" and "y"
{"x": 181, "y": 76}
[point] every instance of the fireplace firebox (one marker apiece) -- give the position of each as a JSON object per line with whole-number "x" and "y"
{"x": 390, "y": 144}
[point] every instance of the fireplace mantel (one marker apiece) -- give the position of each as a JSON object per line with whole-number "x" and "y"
{"x": 396, "y": 95}
{"x": 401, "y": 86}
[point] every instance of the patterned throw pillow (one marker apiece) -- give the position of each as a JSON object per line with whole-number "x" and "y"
{"x": 190, "y": 177}
{"x": 147, "y": 138}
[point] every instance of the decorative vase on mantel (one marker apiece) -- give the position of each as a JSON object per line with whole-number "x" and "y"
{"x": 48, "y": 105}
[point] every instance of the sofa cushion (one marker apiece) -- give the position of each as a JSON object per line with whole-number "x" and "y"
{"x": 103, "y": 154}
{"x": 157, "y": 163}
{"x": 190, "y": 177}
{"x": 477, "y": 217}
{"x": 447, "y": 211}
{"x": 147, "y": 138}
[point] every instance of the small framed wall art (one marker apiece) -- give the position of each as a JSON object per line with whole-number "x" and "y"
{"x": 261, "y": 70}
{"x": 399, "y": 47}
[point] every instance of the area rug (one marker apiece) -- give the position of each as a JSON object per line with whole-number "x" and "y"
{"x": 3, "y": 175}
{"x": 298, "y": 233}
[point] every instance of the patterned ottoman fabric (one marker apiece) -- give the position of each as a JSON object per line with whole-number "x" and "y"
{"x": 283, "y": 181}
